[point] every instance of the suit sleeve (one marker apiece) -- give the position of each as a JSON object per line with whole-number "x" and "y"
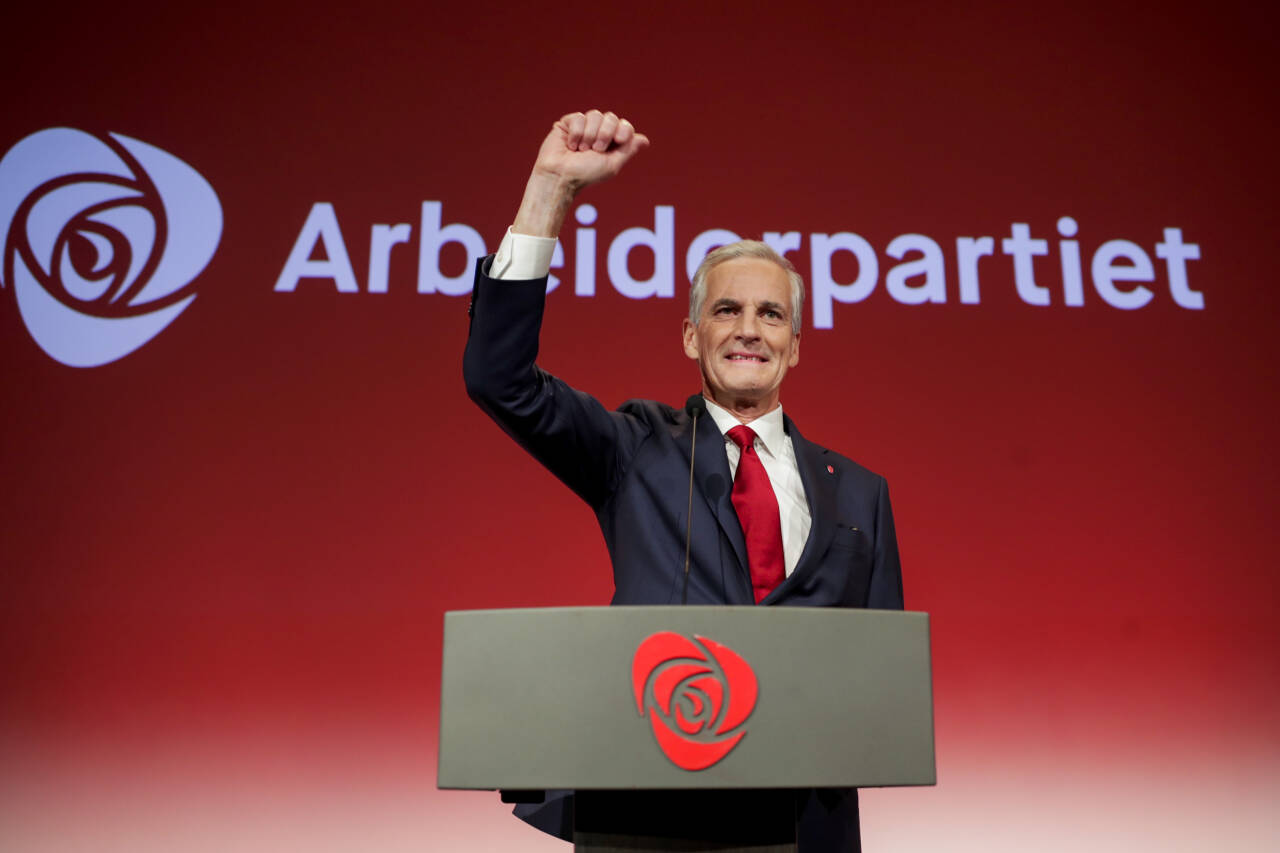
{"x": 885, "y": 592}
{"x": 571, "y": 433}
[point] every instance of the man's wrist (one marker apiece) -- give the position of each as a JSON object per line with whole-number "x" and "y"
{"x": 546, "y": 202}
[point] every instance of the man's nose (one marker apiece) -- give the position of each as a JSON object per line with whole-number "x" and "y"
{"x": 748, "y": 326}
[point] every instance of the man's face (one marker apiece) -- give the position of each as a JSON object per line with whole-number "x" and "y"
{"x": 743, "y": 340}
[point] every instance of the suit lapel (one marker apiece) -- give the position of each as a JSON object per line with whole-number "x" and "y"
{"x": 711, "y": 473}
{"x": 820, "y": 492}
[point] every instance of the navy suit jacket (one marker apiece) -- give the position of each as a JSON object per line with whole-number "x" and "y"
{"x": 632, "y": 467}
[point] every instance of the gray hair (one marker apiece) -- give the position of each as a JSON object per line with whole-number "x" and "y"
{"x": 745, "y": 249}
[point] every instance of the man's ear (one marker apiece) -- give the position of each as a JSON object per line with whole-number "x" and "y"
{"x": 795, "y": 351}
{"x": 690, "y": 339}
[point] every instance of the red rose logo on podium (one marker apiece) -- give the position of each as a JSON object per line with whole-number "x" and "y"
{"x": 697, "y": 697}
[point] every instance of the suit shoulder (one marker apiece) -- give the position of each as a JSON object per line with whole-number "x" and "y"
{"x": 653, "y": 412}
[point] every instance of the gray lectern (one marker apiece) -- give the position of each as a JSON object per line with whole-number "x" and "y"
{"x": 639, "y": 708}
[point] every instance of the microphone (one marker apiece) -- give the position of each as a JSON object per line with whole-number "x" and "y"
{"x": 693, "y": 407}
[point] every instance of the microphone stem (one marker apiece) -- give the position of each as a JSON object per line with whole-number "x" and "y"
{"x": 688, "y": 519}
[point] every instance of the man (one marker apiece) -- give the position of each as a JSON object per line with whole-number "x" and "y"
{"x": 777, "y": 520}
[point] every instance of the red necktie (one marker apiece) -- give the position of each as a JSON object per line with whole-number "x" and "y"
{"x": 757, "y": 508}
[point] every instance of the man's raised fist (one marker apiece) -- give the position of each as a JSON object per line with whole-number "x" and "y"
{"x": 584, "y": 148}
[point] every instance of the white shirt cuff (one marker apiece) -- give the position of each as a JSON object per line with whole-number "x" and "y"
{"x": 522, "y": 257}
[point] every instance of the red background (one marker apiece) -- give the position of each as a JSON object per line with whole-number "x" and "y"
{"x": 226, "y": 556}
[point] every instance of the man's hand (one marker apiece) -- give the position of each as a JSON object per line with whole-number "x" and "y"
{"x": 581, "y": 149}
{"x": 585, "y": 148}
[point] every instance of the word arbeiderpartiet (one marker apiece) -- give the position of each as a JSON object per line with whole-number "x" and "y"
{"x": 1119, "y": 270}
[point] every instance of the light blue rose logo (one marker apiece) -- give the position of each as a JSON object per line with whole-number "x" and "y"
{"x": 103, "y": 237}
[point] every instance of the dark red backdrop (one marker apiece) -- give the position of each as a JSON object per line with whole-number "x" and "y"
{"x": 226, "y": 555}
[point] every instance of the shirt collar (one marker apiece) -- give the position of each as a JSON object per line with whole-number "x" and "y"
{"x": 768, "y": 427}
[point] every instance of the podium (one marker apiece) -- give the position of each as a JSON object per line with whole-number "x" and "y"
{"x": 685, "y": 728}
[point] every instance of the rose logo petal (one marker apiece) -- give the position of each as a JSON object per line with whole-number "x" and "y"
{"x": 697, "y": 696}
{"x": 102, "y": 237}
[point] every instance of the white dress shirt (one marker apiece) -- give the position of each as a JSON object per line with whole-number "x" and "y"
{"x": 521, "y": 257}
{"x": 778, "y": 455}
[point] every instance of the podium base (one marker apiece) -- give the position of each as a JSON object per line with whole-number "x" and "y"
{"x": 696, "y": 821}
{"x": 591, "y": 842}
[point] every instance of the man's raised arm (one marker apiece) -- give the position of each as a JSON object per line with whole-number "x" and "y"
{"x": 566, "y": 430}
